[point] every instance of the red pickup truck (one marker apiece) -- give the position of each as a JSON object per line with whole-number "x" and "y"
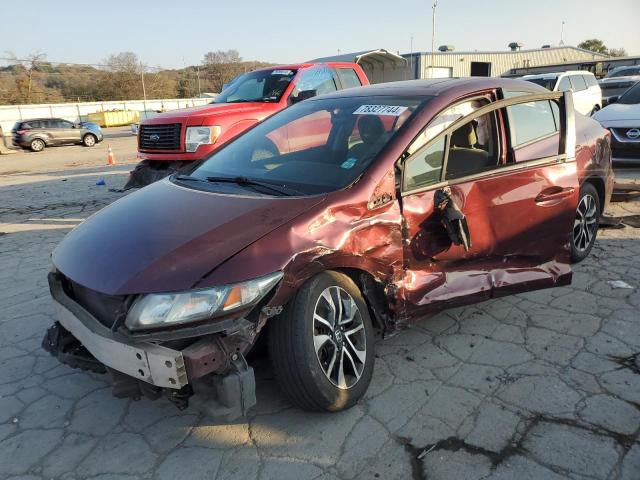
{"x": 172, "y": 139}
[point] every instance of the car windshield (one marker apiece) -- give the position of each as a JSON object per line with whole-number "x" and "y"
{"x": 258, "y": 86}
{"x": 548, "y": 83}
{"x": 313, "y": 147}
{"x": 631, "y": 96}
{"x": 623, "y": 72}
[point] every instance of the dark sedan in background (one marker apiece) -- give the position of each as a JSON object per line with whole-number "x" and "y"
{"x": 38, "y": 133}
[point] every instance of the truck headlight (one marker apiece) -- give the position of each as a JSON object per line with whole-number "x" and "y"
{"x": 197, "y": 136}
{"x": 159, "y": 310}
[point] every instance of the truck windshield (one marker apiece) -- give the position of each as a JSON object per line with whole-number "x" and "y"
{"x": 316, "y": 146}
{"x": 258, "y": 86}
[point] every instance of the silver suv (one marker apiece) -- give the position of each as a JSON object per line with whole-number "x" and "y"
{"x": 38, "y": 133}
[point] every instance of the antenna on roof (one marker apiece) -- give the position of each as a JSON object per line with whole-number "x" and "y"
{"x": 562, "y": 34}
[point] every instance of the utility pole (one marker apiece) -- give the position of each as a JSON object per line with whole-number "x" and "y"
{"x": 413, "y": 76}
{"x": 198, "y": 75}
{"x": 433, "y": 36}
{"x": 144, "y": 90}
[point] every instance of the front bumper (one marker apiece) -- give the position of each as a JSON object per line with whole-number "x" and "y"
{"x": 213, "y": 365}
{"x": 154, "y": 364}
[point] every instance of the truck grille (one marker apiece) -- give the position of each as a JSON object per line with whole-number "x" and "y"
{"x": 159, "y": 137}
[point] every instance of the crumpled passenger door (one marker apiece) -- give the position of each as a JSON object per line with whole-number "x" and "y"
{"x": 518, "y": 215}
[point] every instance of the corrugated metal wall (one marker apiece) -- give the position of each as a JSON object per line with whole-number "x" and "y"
{"x": 501, "y": 62}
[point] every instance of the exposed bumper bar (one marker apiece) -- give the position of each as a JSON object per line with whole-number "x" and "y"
{"x": 151, "y": 363}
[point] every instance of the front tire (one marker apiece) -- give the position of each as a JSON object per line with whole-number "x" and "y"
{"x": 89, "y": 140}
{"x": 37, "y": 145}
{"x": 585, "y": 225}
{"x": 322, "y": 346}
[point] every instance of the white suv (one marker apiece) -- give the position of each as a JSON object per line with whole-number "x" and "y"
{"x": 587, "y": 96}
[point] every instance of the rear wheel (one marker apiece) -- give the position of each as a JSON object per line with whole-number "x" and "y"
{"x": 321, "y": 348}
{"x": 89, "y": 140}
{"x": 585, "y": 225}
{"x": 37, "y": 145}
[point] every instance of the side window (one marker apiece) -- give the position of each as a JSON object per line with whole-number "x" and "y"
{"x": 473, "y": 148}
{"x": 319, "y": 79}
{"x": 534, "y": 129}
{"x": 564, "y": 84}
{"x": 424, "y": 168}
{"x": 530, "y": 121}
{"x": 348, "y": 77}
{"x": 65, "y": 124}
{"x": 591, "y": 81}
{"x": 578, "y": 82}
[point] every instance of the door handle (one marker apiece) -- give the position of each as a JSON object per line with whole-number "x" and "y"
{"x": 554, "y": 193}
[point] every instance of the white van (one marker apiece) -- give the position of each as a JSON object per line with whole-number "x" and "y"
{"x": 587, "y": 96}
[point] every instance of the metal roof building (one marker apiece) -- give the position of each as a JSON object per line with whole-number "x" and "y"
{"x": 384, "y": 66}
{"x": 492, "y": 64}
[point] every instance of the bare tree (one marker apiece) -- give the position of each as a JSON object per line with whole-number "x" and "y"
{"x": 30, "y": 63}
{"x": 222, "y": 56}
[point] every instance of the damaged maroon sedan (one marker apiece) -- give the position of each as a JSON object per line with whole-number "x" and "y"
{"x": 355, "y": 212}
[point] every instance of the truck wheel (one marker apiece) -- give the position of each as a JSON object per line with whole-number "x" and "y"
{"x": 321, "y": 347}
{"x": 37, "y": 145}
{"x": 585, "y": 225}
{"x": 89, "y": 140}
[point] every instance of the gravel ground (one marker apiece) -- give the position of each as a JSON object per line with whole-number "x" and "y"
{"x": 543, "y": 385}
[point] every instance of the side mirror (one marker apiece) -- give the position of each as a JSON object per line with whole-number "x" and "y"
{"x": 303, "y": 95}
{"x": 613, "y": 99}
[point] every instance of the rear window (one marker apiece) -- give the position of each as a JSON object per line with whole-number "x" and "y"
{"x": 349, "y": 78}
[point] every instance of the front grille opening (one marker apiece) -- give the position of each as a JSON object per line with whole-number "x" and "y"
{"x": 105, "y": 308}
{"x": 159, "y": 137}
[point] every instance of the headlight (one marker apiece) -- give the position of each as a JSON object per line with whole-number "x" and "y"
{"x": 166, "y": 309}
{"x": 197, "y": 136}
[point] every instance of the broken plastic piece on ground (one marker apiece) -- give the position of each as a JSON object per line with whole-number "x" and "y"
{"x": 631, "y": 220}
{"x": 610, "y": 222}
{"x": 625, "y": 192}
{"x": 620, "y": 222}
{"x": 619, "y": 284}
{"x": 101, "y": 182}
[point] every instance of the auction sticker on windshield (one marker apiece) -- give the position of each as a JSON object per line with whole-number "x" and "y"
{"x": 281, "y": 72}
{"x": 391, "y": 110}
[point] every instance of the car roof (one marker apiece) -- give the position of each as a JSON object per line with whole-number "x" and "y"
{"x": 557, "y": 74}
{"x": 437, "y": 86}
{"x": 40, "y": 118}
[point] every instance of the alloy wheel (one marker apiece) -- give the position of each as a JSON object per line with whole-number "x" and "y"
{"x": 339, "y": 337}
{"x": 585, "y": 223}
{"x": 89, "y": 141}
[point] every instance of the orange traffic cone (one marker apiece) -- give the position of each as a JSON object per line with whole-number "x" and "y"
{"x": 111, "y": 159}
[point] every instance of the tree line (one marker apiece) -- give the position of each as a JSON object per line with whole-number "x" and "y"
{"x": 120, "y": 76}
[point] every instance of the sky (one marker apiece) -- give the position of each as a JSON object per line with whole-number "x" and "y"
{"x": 173, "y": 34}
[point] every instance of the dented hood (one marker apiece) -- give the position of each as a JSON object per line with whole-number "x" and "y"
{"x": 166, "y": 237}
